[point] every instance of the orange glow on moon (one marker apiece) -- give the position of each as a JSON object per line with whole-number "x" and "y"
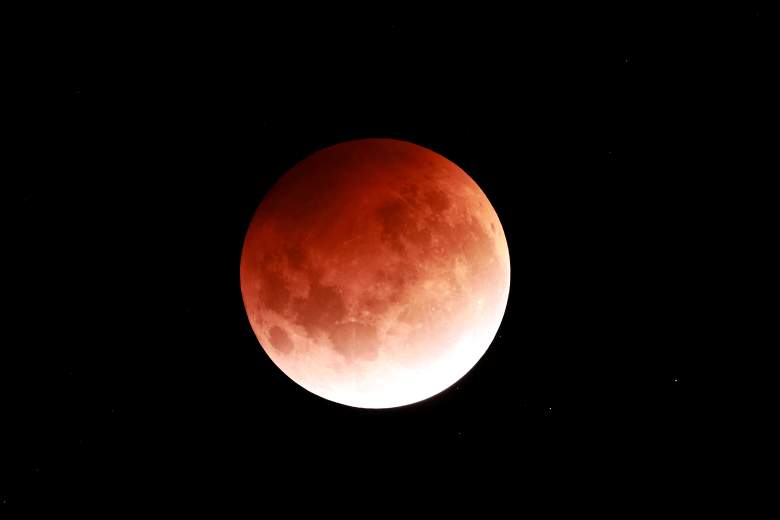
{"x": 375, "y": 273}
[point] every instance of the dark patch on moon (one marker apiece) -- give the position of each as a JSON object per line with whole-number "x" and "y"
{"x": 409, "y": 192}
{"x": 321, "y": 309}
{"x": 274, "y": 292}
{"x": 395, "y": 223}
{"x": 280, "y": 340}
{"x": 400, "y": 226}
{"x": 437, "y": 200}
{"x": 296, "y": 258}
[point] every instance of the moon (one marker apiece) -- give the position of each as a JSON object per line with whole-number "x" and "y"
{"x": 375, "y": 273}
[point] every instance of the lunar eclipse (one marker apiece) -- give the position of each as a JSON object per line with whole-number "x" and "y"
{"x": 375, "y": 273}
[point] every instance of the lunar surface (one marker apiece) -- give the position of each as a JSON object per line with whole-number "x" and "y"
{"x": 375, "y": 273}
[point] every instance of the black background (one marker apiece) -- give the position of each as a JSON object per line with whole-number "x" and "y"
{"x": 607, "y": 141}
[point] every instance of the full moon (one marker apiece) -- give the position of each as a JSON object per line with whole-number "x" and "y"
{"x": 375, "y": 273}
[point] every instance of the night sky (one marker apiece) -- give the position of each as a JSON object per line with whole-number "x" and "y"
{"x": 603, "y": 139}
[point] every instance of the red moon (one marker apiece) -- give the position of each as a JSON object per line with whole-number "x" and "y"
{"x": 375, "y": 273}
